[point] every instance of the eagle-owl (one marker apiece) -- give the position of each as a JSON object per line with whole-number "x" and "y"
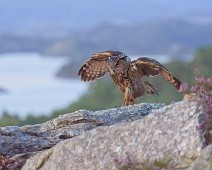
{"x": 128, "y": 75}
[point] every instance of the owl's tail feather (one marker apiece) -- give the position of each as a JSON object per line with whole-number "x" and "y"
{"x": 150, "y": 89}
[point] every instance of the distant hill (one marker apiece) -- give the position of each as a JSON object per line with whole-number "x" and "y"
{"x": 172, "y": 37}
{"x": 11, "y": 42}
{"x": 156, "y": 37}
{"x": 176, "y": 38}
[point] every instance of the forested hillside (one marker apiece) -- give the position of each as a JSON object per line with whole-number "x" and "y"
{"x": 104, "y": 94}
{"x": 176, "y": 38}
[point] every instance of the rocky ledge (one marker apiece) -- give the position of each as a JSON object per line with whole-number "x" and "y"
{"x": 111, "y": 139}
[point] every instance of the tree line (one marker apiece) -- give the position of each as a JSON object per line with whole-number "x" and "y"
{"x": 103, "y": 93}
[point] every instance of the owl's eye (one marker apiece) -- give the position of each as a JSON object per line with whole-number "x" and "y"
{"x": 118, "y": 63}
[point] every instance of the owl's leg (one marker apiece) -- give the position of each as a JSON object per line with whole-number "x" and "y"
{"x": 128, "y": 98}
{"x": 124, "y": 101}
{"x": 132, "y": 101}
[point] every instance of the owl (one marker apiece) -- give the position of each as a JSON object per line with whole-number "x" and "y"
{"x": 128, "y": 75}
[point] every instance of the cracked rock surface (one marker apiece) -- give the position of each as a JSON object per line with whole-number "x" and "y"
{"x": 204, "y": 161}
{"x": 168, "y": 132}
{"x": 33, "y": 138}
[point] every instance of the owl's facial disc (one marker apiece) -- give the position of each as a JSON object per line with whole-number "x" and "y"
{"x": 134, "y": 66}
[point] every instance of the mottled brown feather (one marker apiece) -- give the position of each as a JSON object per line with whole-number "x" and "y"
{"x": 96, "y": 66}
{"x": 126, "y": 74}
{"x": 151, "y": 67}
{"x": 118, "y": 80}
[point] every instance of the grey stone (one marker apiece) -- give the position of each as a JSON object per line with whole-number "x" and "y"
{"x": 32, "y": 138}
{"x": 204, "y": 161}
{"x": 166, "y": 133}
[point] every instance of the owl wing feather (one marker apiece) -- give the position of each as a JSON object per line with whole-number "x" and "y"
{"x": 150, "y": 67}
{"x": 97, "y": 65}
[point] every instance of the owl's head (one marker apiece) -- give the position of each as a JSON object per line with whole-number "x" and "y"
{"x": 133, "y": 65}
{"x": 118, "y": 64}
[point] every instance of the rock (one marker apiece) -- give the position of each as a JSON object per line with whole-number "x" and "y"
{"x": 166, "y": 133}
{"x": 204, "y": 161}
{"x": 32, "y": 138}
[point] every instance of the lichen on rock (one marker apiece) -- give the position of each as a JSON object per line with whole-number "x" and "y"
{"x": 168, "y": 132}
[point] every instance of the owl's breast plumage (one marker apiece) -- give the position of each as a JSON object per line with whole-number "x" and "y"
{"x": 130, "y": 79}
{"x": 119, "y": 80}
{"x": 137, "y": 83}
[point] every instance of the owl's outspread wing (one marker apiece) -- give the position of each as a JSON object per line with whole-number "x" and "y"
{"x": 151, "y": 67}
{"x": 127, "y": 74}
{"x": 97, "y": 65}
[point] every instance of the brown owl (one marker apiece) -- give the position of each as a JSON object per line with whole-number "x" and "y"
{"x": 128, "y": 75}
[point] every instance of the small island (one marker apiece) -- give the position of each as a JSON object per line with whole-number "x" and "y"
{"x": 3, "y": 90}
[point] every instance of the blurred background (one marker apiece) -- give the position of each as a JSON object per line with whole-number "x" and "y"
{"x": 43, "y": 44}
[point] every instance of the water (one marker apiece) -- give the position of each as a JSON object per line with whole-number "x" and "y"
{"x": 32, "y": 86}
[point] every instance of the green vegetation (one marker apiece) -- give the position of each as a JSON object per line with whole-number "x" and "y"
{"x": 104, "y": 94}
{"x": 8, "y": 119}
{"x": 130, "y": 162}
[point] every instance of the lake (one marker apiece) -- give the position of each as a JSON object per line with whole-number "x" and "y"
{"x": 32, "y": 86}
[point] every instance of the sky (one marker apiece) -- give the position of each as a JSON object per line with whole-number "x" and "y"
{"x": 21, "y": 16}
{"x": 26, "y": 14}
